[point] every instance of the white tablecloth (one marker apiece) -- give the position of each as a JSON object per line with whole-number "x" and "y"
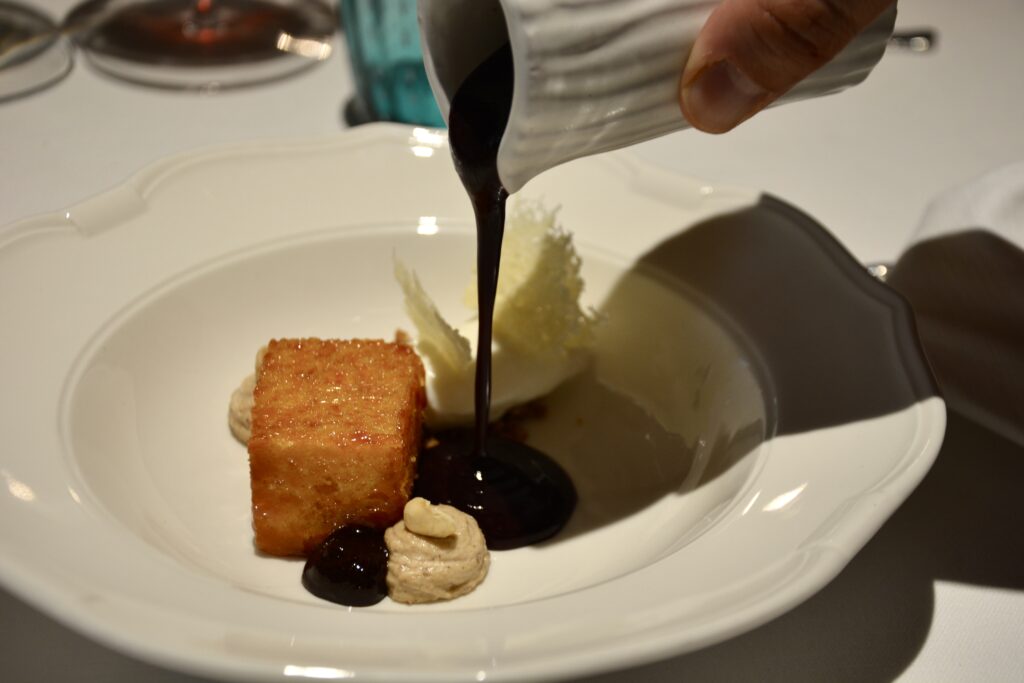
{"x": 938, "y": 594}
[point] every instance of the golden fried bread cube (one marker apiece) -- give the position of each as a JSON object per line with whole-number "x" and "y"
{"x": 335, "y": 432}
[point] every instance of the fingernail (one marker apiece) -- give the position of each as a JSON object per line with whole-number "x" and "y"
{"x": 720, "y": 96}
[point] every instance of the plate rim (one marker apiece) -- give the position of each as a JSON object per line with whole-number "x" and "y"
{"x": 103, "y": 212}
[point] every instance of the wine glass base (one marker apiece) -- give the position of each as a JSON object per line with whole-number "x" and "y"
{"x": 201, "y": 79}
{"x": 203, "y": 44}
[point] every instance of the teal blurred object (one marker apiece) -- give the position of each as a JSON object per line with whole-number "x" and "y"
{"x": 387, "y": 63}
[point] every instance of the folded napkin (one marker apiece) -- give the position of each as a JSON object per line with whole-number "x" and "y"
{"x": 964, "y": 277}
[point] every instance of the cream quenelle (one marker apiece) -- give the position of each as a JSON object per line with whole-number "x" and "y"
{"x": 542, "y": 336}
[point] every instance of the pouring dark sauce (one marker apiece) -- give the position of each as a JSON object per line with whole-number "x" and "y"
{"x": 518, "y": 495}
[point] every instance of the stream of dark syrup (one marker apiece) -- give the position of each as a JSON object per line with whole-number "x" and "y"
{"x": 518, "y": 495}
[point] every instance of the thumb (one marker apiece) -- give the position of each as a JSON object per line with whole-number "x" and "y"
{"x": 752, "y": 51}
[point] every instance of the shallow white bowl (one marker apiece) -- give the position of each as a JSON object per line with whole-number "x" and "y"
{"x": 756, "y": 409}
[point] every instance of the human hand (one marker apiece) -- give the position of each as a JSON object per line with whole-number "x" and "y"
{"x": 752, "y": 51}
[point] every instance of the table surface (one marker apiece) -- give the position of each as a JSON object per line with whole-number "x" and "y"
{"x": 938, "y": 594}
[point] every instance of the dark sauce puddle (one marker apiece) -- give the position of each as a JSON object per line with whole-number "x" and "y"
{"x": 518, "y": 495}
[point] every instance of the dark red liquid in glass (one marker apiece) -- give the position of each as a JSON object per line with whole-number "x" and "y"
{"x": 196, "y": 32}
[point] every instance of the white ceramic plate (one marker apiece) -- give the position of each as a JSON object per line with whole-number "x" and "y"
{"x": 758, "y": 406}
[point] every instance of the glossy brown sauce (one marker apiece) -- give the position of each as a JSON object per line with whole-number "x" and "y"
{"x": 518, "y": 495}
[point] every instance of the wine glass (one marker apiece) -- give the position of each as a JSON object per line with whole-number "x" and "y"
{"x": 202, "y": 44}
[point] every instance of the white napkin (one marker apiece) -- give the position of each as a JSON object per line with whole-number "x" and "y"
{"x": 994, "y": 201}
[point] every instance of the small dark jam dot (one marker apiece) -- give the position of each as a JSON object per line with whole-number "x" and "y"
{"x": 350, "y": 567}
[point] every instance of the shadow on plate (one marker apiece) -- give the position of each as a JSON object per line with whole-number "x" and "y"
{"x": 870, "y": 623}
{"x": 783, "y": 332}
{"x": 961, "y": 525}
{"x": 622, "y": 459}
{"x": 839, "y": 346}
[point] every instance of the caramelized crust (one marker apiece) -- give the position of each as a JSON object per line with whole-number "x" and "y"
{"x": 335, "y": 432}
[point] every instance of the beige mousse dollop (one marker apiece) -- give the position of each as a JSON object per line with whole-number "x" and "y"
{"x": 435, "y": 553}
{"x": 240, "y": 406}
{"x": 240, "y": 410}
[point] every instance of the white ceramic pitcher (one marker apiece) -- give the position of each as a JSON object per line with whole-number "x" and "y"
{"x": 593, "y": 75}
